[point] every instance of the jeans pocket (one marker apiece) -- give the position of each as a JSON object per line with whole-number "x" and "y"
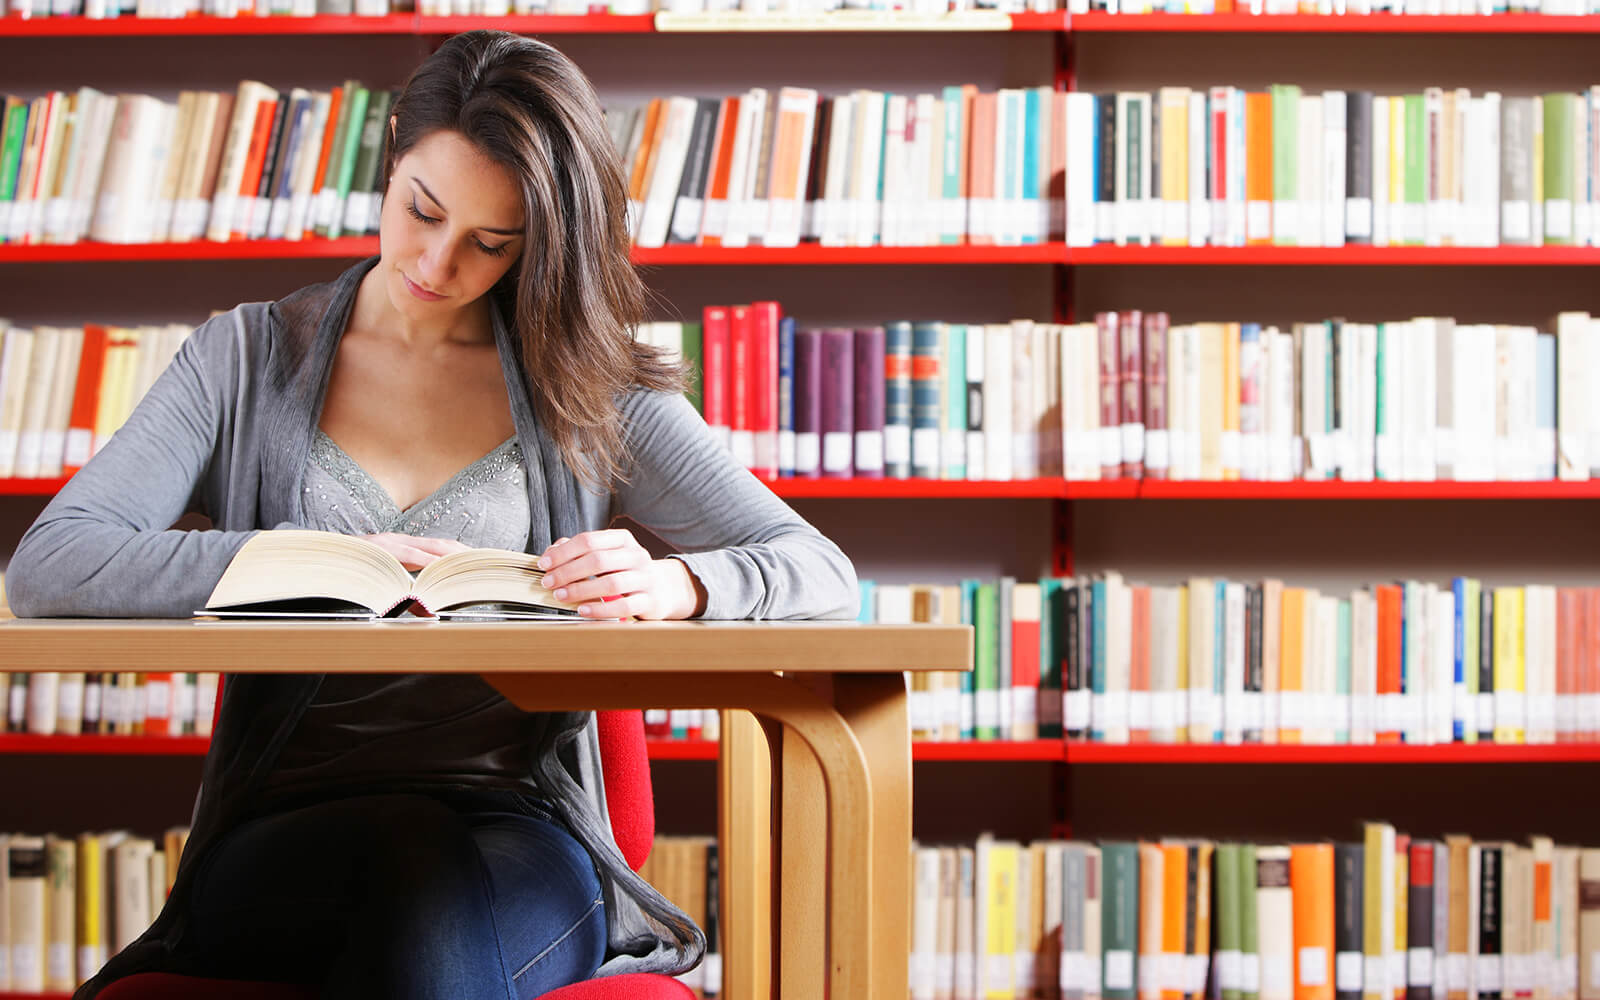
{"x": 571, "y": 944}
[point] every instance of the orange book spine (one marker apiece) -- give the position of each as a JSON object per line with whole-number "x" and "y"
{"x": 335, "y": 100}
{"x": 1291, "y": 670}
{"x": 1174, "y": 925}
{"x": 254, "y": 161}
{"x": 1388, "y": 601}
{"x": 1311, "y": 883}
{"x": 980, "y": 169}
{"x": 643, "y": 157}
{"x": 1258, "y": 168}
{"x": 158, "y": 704}
{"x": 1139, "y": 668}
{"x": 85, "y": 400}
{"x": 716, "y": 207}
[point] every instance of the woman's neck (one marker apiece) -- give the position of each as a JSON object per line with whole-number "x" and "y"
{"x": 375, "y": 313}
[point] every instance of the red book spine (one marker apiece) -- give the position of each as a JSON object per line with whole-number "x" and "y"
{"x": 714, "y": 380}
{"x": 657, "y": 724}
{"x": 1130, "y": 380}
{"x": 1110, "y": 408}
{"x": 763, "y": 390}
{"x": 1139, "y": 701}
{"x": 1388, "y": 602}
{"x": 1157, "y": 448}
{"x": 266, "y": 113}
{"x": 85, "y": 400}
{"x": 1589, "y": 645}
{"x": 741, "y": 436}
{"x": 158, "y": 704}
{"x": 1025, "y": 677}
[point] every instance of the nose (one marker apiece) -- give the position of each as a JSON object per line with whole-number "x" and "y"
{"x": 437, "y": 264}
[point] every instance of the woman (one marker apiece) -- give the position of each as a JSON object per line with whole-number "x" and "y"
{"x": 416, "y": 835}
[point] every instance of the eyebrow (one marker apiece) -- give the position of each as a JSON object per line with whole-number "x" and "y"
{"x": 436, "y": 201}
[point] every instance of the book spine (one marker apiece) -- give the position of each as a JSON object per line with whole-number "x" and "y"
{"x": 927, "y": 397}
{"x": 714, "y": 377}
{"x": 808, "y": 404}
{"x": 763, "y": 388}
{"x": 786, "y": 397}
{"x": 1157, "y": 447}
{"x": 836, "y": 402}
{"x": 897, "y": 404}
{"x": 1131, "y": 383}
{"x": 1349, "y": 879}
{"x": 870, "y": 400}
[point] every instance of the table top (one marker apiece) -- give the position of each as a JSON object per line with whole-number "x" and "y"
{"x": 419, "y": 645}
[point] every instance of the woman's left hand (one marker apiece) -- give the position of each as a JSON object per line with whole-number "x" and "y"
{"x": 608, "y": 574}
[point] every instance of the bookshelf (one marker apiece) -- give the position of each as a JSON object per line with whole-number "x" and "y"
{"x": 1027, "y": 527}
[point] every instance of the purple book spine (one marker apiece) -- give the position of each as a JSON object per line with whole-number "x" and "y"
{"x": 869, "y": 414}
{"x": 808, "y": 403}
{"x": 836, "y": 395}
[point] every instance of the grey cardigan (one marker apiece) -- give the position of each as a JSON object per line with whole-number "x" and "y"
{"x": 225, "y": 432}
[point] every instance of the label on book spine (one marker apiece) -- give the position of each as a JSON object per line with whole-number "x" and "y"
{"x": 1347, "y": 971}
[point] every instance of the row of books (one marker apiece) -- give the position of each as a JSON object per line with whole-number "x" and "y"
{"x": 1386, "y": 917}
{"x": 131, "y": 168}
{"x": 69, "y": 903}
{"x": 1132, "y": 395}
{"x": 98, "y": 10}
{"x": 1211, "y": 660}
{"x": 65, "y": 390}
{"x": 686, "y": 871}
{"x": 122, "y": 703}
{"x": 1290, "y": 167}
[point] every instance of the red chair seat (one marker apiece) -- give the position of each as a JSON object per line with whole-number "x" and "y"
{"x": 166, "y": 986}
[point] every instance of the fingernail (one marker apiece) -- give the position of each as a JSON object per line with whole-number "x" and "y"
{"x": 561, "y": 594}
{"x": 544, "y": 562}
{"x": 547, "y": 581}
{"x": 583, "y": 609}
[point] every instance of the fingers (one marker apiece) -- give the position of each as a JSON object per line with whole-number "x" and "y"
{"x": 594, "y": 564}
{"x": 611, "y": 584}
{"x": 564, "y": 550}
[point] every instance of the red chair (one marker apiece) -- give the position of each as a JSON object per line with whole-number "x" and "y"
{"x": 633, "y": 820}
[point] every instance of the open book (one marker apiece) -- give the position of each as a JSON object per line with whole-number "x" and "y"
{"x": 292, "y": 573}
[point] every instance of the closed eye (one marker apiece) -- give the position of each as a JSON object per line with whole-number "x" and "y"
{"x": 428, "y": 220}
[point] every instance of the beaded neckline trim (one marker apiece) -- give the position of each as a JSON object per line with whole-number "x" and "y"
{"x": 332, "y": 459}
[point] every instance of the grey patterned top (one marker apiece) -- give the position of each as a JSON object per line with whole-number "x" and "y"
{"x": 382, "y": 731}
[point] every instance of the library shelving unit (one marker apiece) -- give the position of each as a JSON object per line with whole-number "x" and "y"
{"x": 1033, "y": 789}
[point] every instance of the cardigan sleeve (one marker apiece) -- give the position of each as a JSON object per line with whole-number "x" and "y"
{"x": 755, "y": 556}
{"x": 104, "y": 545}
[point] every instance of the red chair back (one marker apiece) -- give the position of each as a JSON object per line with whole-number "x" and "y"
{"x": 625, "y": 766}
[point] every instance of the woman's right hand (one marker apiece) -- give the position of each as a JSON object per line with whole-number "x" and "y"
{"x": 412, "y": 551}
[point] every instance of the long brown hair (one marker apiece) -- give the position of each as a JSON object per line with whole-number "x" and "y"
{"x": 573, "y": 298}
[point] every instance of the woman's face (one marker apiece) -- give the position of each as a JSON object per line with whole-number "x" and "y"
{"x": 451, "y": 227}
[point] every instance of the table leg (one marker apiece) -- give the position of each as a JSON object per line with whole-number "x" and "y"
{"x": 875, "y": 708}
{"x": 802, "y": 847}
{"x": 744, "y": 813}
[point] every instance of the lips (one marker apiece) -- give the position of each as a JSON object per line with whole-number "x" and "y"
{"x": 419, "y": 291}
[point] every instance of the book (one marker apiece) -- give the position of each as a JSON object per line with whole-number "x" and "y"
{"x": 354, "y": 577}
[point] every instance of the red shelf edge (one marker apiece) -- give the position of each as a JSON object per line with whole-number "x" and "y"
{"x": 1392, "y": 753}
{"x": 1335, "y": 23}
{"x": 1345, "y": 256}
{"x": 176, "y": 746}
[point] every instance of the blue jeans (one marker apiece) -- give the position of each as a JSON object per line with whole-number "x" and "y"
{"x": 404, "y": 896}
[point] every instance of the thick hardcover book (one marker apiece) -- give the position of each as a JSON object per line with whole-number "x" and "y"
{"x": 1349, "y": 912}
{"x": 1419, "y": 923}
{"x": 894, "y": 374}
{"x": 837, "y": 402}
{"x": 1157, "y": 447}
{"x": 1130, "y": 380}
{"x": 1488, "y": 976}
{"x": 763, "y": 387}
{"x": 320, "y": 573}
{"x": 690, "y": 204}
{"x": 1229, "y": 929}
{"x": 808, "y": 403}
{"x": 869, "y": 411}
{"x": 1311, "y": 880}
{"x": 715, "y": 347}
{"x": 1249, "y": 926}
{"x": 927, "y": 397}
{"x": 1119, "y": 925}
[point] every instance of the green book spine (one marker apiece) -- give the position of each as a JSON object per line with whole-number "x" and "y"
{"x": 1119, "y": 921}
{"x": 953, "y": 442}
{"x": 1227, "y": 920}
{"x": 694, "y": 360}
{"x": 1416, "y": 169}
{"x": 357, "y": 209}
{"x": 969, "y": 616}
{"x": 1051, "y": 635}
{"x": 954, "y": 128}
{"x": 1285, "y": 163}
{"x": 986, "y": 683}
{"x": 355, "y": 124}
{"x": 16, "y": 123}
{"x": 328, "y": 208}
{"x": 1249, "y": 946}
{"x": 1559, "y": 193}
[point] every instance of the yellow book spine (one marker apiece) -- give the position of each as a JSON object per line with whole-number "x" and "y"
{"x": 1372, "y": 944}
{"x": 1508, "y": 675}
{"x": 1001, "y": 947}
{"x": 1397, "y": 169}
{"x": 91, "y": 893}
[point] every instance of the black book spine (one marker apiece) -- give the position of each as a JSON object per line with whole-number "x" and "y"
{"x": 1255, "y": 608}
{"x": 1349, "y": 930}
{"x": 1335, "y": 349}
{"x": 712, "y": 963}
{"x": 1489, "y": 972}
{"x": 686, "y": 209}
{"x": 1358, "y": 167}
{"x": 1106, "y": 194}
{"x": 1072, "y": 679}
{"x": 1486, "y": 665}
{"x": 272, "y": 160}
{"x": 1419, "y": 923}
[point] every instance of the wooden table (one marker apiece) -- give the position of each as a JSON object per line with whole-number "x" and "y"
{"x": 831, "y": 697}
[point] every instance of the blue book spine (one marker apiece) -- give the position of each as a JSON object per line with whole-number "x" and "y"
{"x": 786, "y": 397}
{"x": 869, "y": 592}
{"x": 927, "y": 397}
{"x": 1219, "y": 657}
{"x": 969, "y": 708}
{"x": 1097, "y": 656}
{"x": 1029, "y": 213}
{"x": 1458, "y": 700}
{"x": 897, "y": 407}
{"x": 953, "y": 440}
